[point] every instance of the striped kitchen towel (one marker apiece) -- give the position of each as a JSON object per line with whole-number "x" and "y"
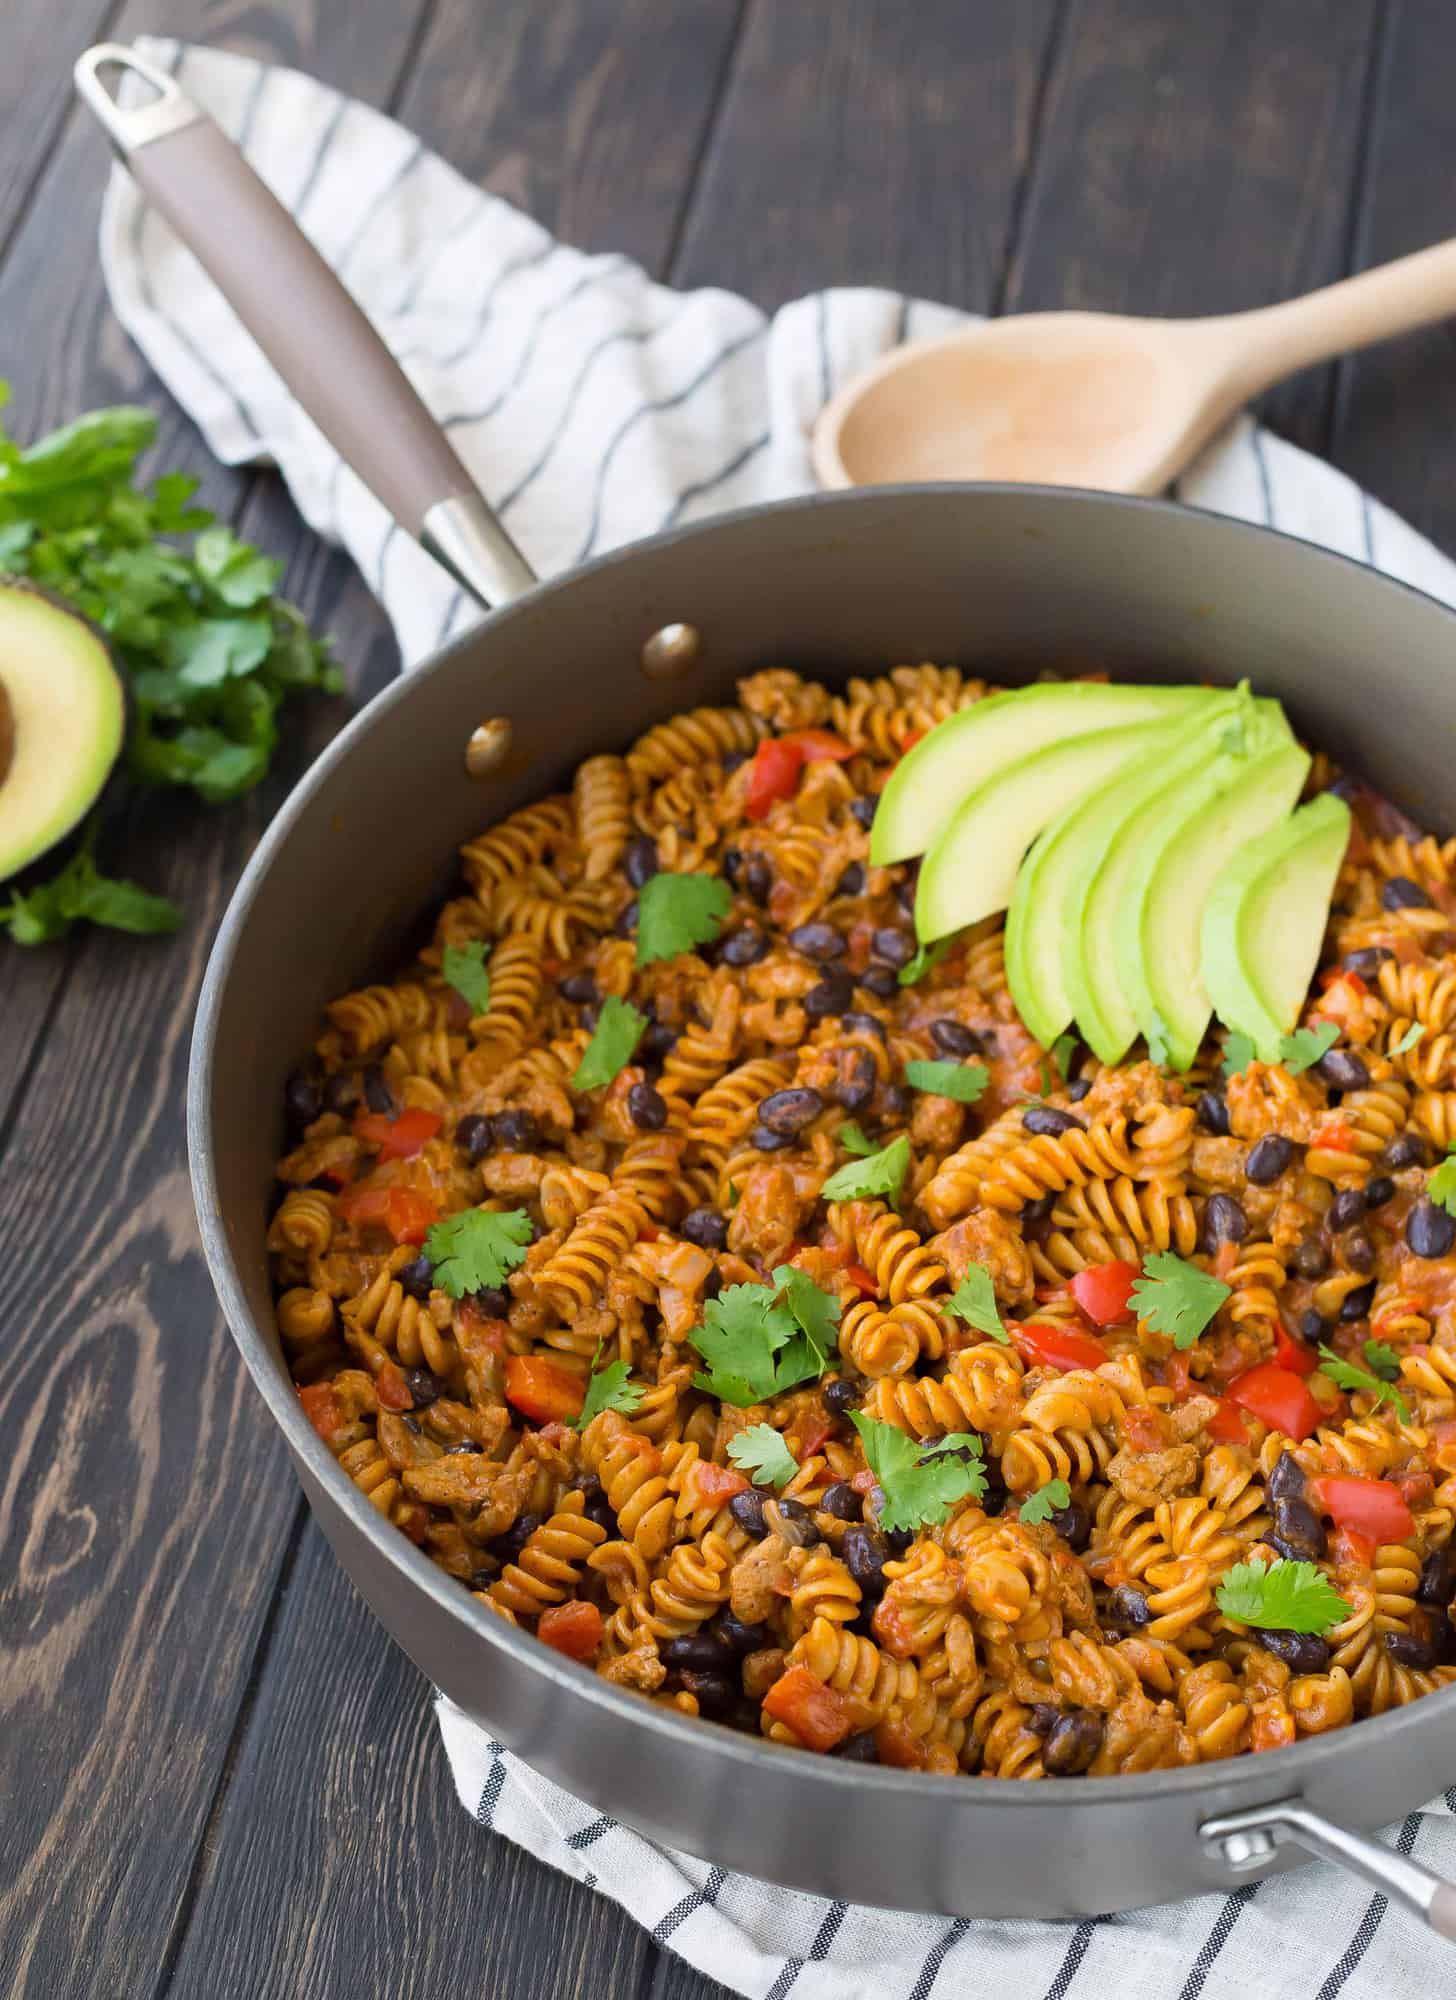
{"x": 595, "y": 407}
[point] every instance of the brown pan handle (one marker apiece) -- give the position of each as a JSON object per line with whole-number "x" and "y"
{"x": 1247, "y": 1840}
{"x": 304, "y": 320}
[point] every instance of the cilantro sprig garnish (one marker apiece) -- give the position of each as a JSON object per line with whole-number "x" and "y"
{"x": 78, "y": 891}
{"x": 1176, "y": 1298}
{"x": 1062, "y": 1051}
{"x": 974, "y": 1301}
{"x": 962, "y": 1081}
{"x": 618, "y": 1031}
{"x": 1408, "y": 1040}
{"x": 925, "y": 960}
{"x": 1157, "y": 1040}
{"x": 477, "y": 1249}
{"x": 463, "y": 967}
{"x": 609, "y": 1389}
{"x": 1046, "y": 1501}
{"x": 881, "y": 1173}
{"x": 921, "y": 1483}
{"x": 851, "y": 1136}
{"x": 761, "y": 1452}
{"x": 676, "y": 913}
{"x": 761, "y": 1339}
{"x": 1238, "y": 1053}
{"x": 1349, "y": 1376}
{"x": 1441, "y": 1187}
{"x": 1304, "y": 1048}
{"x": 1281, "y": 1596}
{"x": 1383, "y": 1359}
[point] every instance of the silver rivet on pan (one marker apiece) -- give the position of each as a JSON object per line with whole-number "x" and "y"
{"x": 671, "y": 652}
{"x": 486, "y": 750}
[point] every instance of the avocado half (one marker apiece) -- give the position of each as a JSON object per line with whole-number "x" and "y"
{"x": 62, "y": 715}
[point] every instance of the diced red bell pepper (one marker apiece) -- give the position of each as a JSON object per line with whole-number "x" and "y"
{"x": 819, "y": 1429}
{"x": 397, "y": 1138}
{"x": 861, "y": 1279}
{"x": 819, "y": 746}
{"x": 897, "y": 1747}
{"x": 1337, "y": 1138}
{"x": 773, "y": 775}
{"x": 1273, "y": 1726}
{"x": 1103, "y": 1292}
{"x": 1293, "y": 1354}
{"x": 406, "y": 1214}
{"x": 1063, "y": 1347}
{"x": 1372, "y": 1507}
{"x": 322, "y": 1408}
{"x": 1228, "y": 1424}
{"x": 573, "y": 1628}
{"x": 1142, "y": 1428}
{"x": 814, "y": 1712}
{"x": 392, "y": 1389}
{"x": 543, "y": 1389}
{"x": 340, "y": 1173}
{"x": 1415, "y": 1486}
{"x": 715, "y": 1485}
{"x": 1278, "y": 1397}
{"x": 915, "y": 736}
{"x": 1353, "y": 980}
{"x": 1349, "y": 1549}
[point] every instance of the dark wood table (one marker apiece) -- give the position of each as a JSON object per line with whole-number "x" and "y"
{"x": 217, "y": 1778}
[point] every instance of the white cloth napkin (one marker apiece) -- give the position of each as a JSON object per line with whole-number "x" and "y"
{"x": 595, "y": 407}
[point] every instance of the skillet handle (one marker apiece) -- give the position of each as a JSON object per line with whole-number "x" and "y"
{"x": 304, "y": 320}
{"x": 1245, "y": 1841}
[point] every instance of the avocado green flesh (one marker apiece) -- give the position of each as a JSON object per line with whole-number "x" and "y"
{"x": 959, "y": 755}
{"x": 970, "y": 873}
{"x": 1265, "y": 922}
{"x": 66, "y": 715}
{"x": 1161, "y": 928}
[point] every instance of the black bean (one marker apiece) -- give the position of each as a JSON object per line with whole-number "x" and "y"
{"x": 493, "y": 1301}
{"x": 1079, "y": 1089}
{"x": 341, "y": 1093}
{"x": 1286, "y": 1481}
{"x": 505, "y": 1548}
{"x": 789, "y": 1111}
{"x": 713, "y": 1283}
{"x": 1312, "y": 1325}
{"x": 473, "y": 1136}
{"x": 747, "y": 1511}
{"x": 893, "y": 947}
{"x": 1301, "y": 1652}
{"x": 743, "y": 947}
{"x": 480, "y": 1579}
{"x": 715, "y": 1694}
{"x": 855, "y": 1084}
{"x": 1224, "y": 1221}
{"x": 1213, "y": 1114}
{"x": 1415, "y": 1648}
{"x": 627, "y": 921}
{"x": 1438, "y": 1578}
{"x": 303, "y": 1100}
{"x": 514, "y": 1131}
{"x": 758, "y": 879}
{"x": 864, "y": 1552}
{"x": 881, "y": 980}
{"x": 1342, "y": 1069}
{"x": 658, "y": 1042}
{"x": 1409, "y": 1150}
{"x": 1073, "y": 1523}
{"x": 646, "y": 1107}
{"x": 417, "y": 1277}
{"x": 1311, "y": 1259}
{"x": 954, "y": 1038}
{"x": 840, "y": 1397}
{"x": 860, "y": 1749}
{"x": 1048, "y": 1123}
{"x": 1359, "y": 1251}
{"x": 1298, "y": 1526}
{"x": 768, "y": 1142}
{"x": 705, "y": 1655}
{"x": 1038, "y": 1210}
{"x": 852, "y": 881}
{"x": 736, "y": 1636}
{"x": 898, "y": 1538}
{"x": 377, "y": 1094}
{"x": 425, "y": 1387}
{"x": 1400, "y": 893}
{"x": 597, "y": 1507}
{"x": 833, "y": 995}
{"x": 579, "y": 988}
{"x": 1346, "y": 1209}
{"x": 466, "y": 1445}
{"x": 1268, "y": 1159}
{"x": 905, "y": 887}
{"x": 841, "y": 1501}
{"x": 896, "y": 1100}
{"x": 734, "y": 760}
{"x": 1366, "y": 963}
{"x": 793, "y": 1522}
{"x": 1043, "y": 1718}
{"x": 1443, "y": 1636}
{"x": 1429, "y": 1230}
{"x": 863, "y": 810}
{"x": 818, "y": 941}
{"x": 640, "y": 862}
{"x": 1379, "y": 1191}
{"x": 730, "y": 863}
{"x": 707, "y": 1227}
{"x": 864, "y": 1024}
{"x": 1073, "y": 1744}
{"x": 1127, "y": 1606}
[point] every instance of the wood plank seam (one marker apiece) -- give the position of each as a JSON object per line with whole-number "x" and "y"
{"x": 711, "y": 127}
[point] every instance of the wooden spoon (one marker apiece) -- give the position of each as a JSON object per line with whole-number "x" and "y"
{"x": 1096, "y": 399}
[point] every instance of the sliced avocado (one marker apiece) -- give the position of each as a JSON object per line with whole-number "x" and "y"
{"x": 1160, "y": 928}
{"x": 1106, "y": 1013}
{"x": 1044, "y": 922}
{"x": 65, "y": 711}
{"x": 971, "y": 870}
{"x": 930, "y": 782}
{"x": 1265, "y": 920}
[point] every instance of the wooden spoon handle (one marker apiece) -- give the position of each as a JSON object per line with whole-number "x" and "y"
{"x": 1263, "y": 347}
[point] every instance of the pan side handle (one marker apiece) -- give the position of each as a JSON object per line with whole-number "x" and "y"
{"x": 304, "y": 320}
{"x": 1246, "y": 1840}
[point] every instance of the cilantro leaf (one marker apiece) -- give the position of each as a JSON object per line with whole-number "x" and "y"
{"x": 475, "y": 1250}
{"x": 762, "y": 1454}
{"x": 1349, "y": 1376}
{"x": 464, "y": 968}
{"x": 1409, "y": 1039}
{"x": 1157, "y": 1039}
{"x": 1282, "y": 1596}
{"x": 925, "y": 960}
{"x": 815, "y": 1312}
{"x": 1045, "y": 1501}
{"x": 759, "y": 1340}
{"x": 974, "y": 1301}
{"x": 880, "y": 1173}
{"x": 1305, "y": 1046}
{"x": 618, "y": 1031}
{"x": 959, "y": 1441}
{"x": 962, "y": 1081}
{"x": 609, "y": 1389}
{"x": 920, "y": 1483}
{"x": 1063, "y": 1049}
{"x": 1238, "y": 1053}
{"x": 79, "y": 893}
{"x": 853, "y": 1140}
{"x": 677, "y": 912}
{"x": 1441, "y": 1187}
{"x": 1176, "y": 1298}
{"x": 1384, "y": 1360}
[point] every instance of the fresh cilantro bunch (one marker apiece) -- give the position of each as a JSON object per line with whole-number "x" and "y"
{"x": 208, "y": 652}
{"x": 761, "y": 1339}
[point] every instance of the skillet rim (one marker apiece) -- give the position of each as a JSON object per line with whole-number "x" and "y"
{"x": 749, "y": 1754}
